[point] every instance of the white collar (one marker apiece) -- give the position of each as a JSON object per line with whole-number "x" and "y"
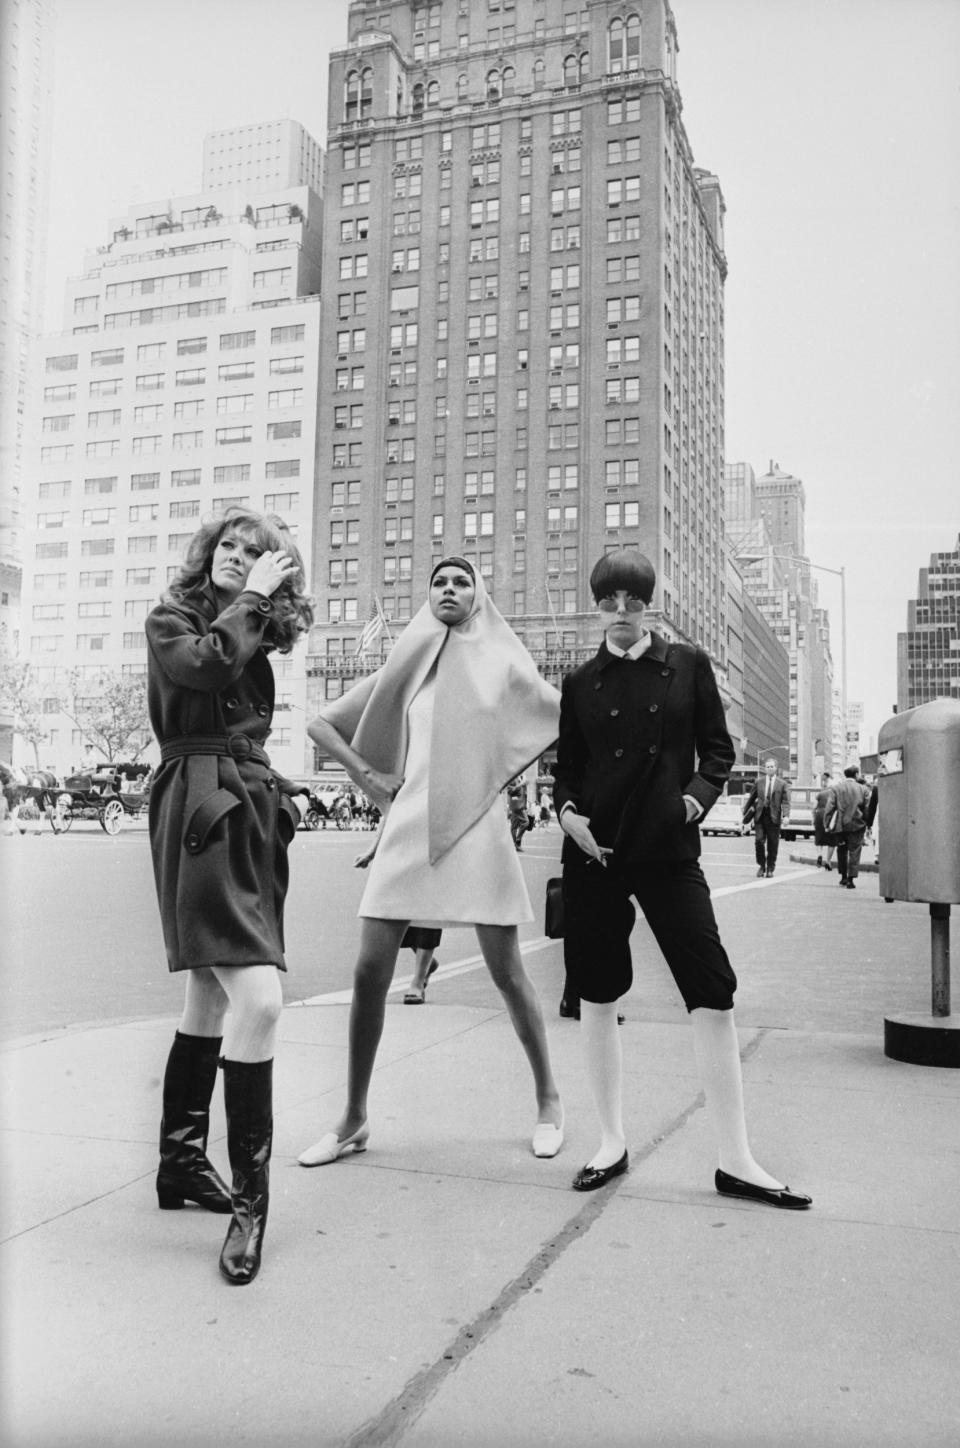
{"x": 633, "y": 652}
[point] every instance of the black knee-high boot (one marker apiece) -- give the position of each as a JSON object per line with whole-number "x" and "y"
{"x": 248, "y": 1095}
{"x": 185, "y": 1172}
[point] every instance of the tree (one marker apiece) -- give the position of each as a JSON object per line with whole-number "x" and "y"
{"x": 111, "y": 713}
{"x": 22, "y": 696}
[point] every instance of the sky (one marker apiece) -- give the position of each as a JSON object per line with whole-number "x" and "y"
{"x": 834, "y": 128}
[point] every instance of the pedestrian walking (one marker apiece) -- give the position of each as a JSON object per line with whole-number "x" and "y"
{"x": 642, "y": 755}
{"x": 221, "y": 820}
{"x": 822, "y": 838}
{"x": 846, "y": 812}
{"x": 768, "y": 806}
{"x": 457, "y": 710}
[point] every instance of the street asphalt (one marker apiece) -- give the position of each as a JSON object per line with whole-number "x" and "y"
{"x": 447, "y": 1288}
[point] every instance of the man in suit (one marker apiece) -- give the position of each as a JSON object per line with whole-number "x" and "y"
{"x": 643, "y": 752}
{"x": 849, "y": 800}
{"x": 768, "y": 806}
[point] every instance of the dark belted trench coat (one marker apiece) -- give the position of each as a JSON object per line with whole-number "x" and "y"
{"x": 220, "y": 822}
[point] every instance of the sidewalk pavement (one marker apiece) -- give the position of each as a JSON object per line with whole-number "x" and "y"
{"x": 446, "y": 1288}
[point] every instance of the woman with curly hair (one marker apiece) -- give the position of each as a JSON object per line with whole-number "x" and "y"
{"x": 221, "y": 820}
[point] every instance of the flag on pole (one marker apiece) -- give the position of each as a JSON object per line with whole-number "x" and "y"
{"x": 373, "y": 628}
{"x": 553, "y": 615}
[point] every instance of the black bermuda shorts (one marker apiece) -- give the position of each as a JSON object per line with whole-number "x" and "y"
{"x": 599, "y": 915}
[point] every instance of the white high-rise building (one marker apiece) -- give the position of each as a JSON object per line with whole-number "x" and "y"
{"x": 185, "y": 379}
{"x": 25, "y": 70}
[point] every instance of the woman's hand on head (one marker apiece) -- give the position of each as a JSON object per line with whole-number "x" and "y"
{"x": 577, "y": 826}
{"x": 270, "y": 570}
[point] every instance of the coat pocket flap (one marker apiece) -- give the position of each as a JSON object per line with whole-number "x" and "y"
{"x": 205, "y": 816}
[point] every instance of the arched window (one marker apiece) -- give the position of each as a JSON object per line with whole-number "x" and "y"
{"x": 417, "y": 98}
{"x": 571, "y": 70}
{"x": 351, "y": 96}
{"x": 538, "y": 73}
{"x": 461, "y": 87}
{"x": 584, "y": 67}
{"x": 507, "y": 79}
{"x": 399, "y": 95}
{"x": 616, "y": 44}
{"x": 366, "y": 92}
{"x": 433, "y": 93}
{"x": 624, "y": 45}
{"x": 633, "y": 43}
{"x": 493, "y": 85}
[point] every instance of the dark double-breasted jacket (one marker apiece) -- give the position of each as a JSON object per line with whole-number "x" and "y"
{"x": 635, "y": 737}
{"x": 220, "y": 817}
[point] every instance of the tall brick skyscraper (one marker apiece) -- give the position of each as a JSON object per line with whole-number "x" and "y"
{"x": 522, "y": 326}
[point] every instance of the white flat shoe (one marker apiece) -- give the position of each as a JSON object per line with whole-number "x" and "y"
{"x": 547, "y": 1138}
{"x": 330, "y": 1147}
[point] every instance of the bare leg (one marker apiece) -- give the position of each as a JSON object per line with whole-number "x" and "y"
{"x": 603, "y": 1058}
{"x": 376, "y": 962}
{"x": 421, "y": 974}
{"x": 718, "y": 1057}
{"x": 505, "y": 964}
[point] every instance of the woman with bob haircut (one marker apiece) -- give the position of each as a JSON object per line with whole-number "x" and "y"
{"x": 456, "y": 711}
{"x": 643, "y": 754}
{"x": 221, "y": 820}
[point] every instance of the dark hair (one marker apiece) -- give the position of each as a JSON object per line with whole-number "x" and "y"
{"x": 460, "y": 562}
{"x": 630, "y": 571}
{"x": 851, "y": 771}
{"x": 292, "y": 608}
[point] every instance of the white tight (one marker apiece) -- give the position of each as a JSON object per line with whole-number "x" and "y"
{"x": 255, "y": 999}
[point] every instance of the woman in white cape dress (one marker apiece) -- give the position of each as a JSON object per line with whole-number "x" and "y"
{"x": 456, "y": 711}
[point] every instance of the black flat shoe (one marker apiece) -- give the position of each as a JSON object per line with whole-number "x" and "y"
{"x": 731, "y": 1186}
{"x": 588, "y": 1178}
{"x": 570, "y": 1012}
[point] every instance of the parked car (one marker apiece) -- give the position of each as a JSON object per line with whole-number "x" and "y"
{"x": 725, "y": 818}
{"x": 799, "y": 826}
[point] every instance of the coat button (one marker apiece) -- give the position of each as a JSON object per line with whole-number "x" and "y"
{"x": 618, "y": 754}
{"x": 598, "y": 684}
{"x": 652, "y": 749}
{"x": 614, "y": 713}
{"x": 263, "y": 710}
{"x": 229, "y": 703}
{"x": 192, "y": 841}
{"x": 264, "y": 605}
{"x": 271, "y": 783}
{"x": 654, "y": 708}
{"x": 665, "y": 673}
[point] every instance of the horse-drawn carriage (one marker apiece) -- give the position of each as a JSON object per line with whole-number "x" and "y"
{"x": 96, "y": 797}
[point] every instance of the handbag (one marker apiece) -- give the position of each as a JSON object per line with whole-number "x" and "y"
{"x": 553, "y": 910}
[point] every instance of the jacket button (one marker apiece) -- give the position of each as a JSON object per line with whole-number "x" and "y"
{"x": 263, "y": 710}
{"x": 264, "y": 605}
{"x": 654, "y": 708}
{"x": 652, "y": 749}
{"x": 614, "y": 713}
{"x": 618, "y": 754}
{"x": 598, "y": 684}
{"x": 192, "y": 841}
{"x": 271, "y": 783}
{"x": 229, "y": 703}
{"x": 664, "y": 673}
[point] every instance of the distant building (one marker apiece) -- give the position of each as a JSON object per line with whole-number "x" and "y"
{"x": 185, "y": 380}
{"x": 522, "y": 331}
{"x": 928, "y": 653}
{"x": 26, "y": 63}
{"x": 765, "y": 530}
